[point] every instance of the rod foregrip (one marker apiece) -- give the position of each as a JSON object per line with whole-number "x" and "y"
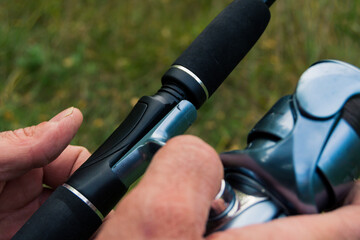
{"x": 63, "y": 216}
{"x": 221, "y": 46}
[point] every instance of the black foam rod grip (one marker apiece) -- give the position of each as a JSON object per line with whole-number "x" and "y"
{"x": 225, "y": 41}
{"x": 62, "y": 216}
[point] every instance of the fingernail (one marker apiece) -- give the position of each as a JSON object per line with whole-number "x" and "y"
{"x": 68, "y": 112}
{"x": 63, "y": 114}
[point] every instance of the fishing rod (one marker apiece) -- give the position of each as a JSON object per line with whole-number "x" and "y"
{"x": 76, "y": 209}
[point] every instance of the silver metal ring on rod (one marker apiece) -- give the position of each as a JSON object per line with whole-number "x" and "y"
{"x": 196, "y": 78}
{"x": 84, "y": 199}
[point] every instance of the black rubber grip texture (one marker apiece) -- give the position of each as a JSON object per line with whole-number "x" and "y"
{"x": 62, "y": 216}
{"x": 351, "y": 113}
{"x": 225, "y": 41}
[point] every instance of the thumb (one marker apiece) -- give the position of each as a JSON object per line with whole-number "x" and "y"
{"x": 32, "y": 147}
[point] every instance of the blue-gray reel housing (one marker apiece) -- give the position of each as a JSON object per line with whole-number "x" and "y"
{"x": 305, "y": 151}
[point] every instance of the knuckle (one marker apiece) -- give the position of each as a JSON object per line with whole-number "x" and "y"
{"x": 196, "y": 149}
{"x": 82, "y": 154}
{"x": 18, "y": 136}
{"x": 28, "y": 131}
{"x": 171, "y": 215}
{"x": 82, "y": 150}
{"x": 22, "y": 136}
{"x": 168, "y": 208}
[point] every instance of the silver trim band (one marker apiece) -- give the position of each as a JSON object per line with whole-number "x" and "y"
{"x": 84, "y": 199}
{"x": 198, "y": 80}
{"x": 222, "y": 189}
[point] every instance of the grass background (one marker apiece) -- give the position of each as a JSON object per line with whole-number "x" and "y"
{"x": 101, "y": 56}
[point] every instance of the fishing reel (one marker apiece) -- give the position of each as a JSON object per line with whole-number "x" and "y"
{"x": 302, "y": 157}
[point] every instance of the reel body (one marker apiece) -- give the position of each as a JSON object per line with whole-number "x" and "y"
{"x": 302, "y": 156}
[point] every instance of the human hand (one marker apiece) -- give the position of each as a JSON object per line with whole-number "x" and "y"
{"x": 173, "y": 199}
{"x": 32, "y": 157}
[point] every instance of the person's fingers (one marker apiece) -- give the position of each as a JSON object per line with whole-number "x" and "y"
{"x": 19, "y": 191}
{"x": 36, "y": 146}
{"x": 57, "y": 172}
{"x": 172, "y": 200}
{"x": 341, "y": 223}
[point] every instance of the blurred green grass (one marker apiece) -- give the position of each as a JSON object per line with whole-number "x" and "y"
{"x": 101, "y": 56}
